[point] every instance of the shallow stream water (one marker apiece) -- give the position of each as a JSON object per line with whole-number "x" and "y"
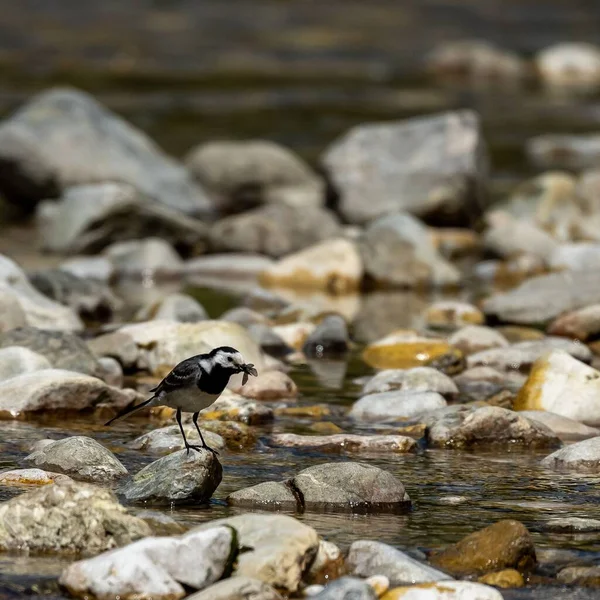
{"x": 301, "y": 73}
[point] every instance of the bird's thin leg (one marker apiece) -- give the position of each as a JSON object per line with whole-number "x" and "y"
{"x": 178, "y": 417}
{"x": 195, "y": 421}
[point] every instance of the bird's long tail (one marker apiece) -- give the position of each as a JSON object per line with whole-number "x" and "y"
{"x": 130, "y": 410}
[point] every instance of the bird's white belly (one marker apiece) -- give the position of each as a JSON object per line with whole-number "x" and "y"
{"x": 188, "y": 399}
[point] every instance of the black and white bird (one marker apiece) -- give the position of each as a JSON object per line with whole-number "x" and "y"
{"x": 194, "y": 384}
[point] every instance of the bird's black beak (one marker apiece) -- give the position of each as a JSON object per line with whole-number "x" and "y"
{"x": 247, "y": 369}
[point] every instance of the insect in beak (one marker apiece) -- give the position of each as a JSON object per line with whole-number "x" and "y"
{"x": 248, "y": 370}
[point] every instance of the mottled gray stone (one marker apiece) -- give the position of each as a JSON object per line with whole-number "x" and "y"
{"x": 80, "y": 457}
{"x": 38, "y": 522}
{"x": 582, "y": 456}
{"x": 177, "y": 477}
{"x": 330, "y": 338}
{"x": 347, "y": 588}
{"x": 395, "y": 405}
{"x": 15, "y": 360}
{"x": 238, "y": 588}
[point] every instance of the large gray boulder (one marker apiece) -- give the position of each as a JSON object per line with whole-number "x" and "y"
{"x": 80, "y": 457}
{"x": 155, "y": 567}
{"x": 434, "y": 167}
{"x": 238, "y": 588}
{"x": 94, "y": 522}
{"x": 177, "y": 477}
{"x": 274, "y": 230}
{"x": 62, "y": 349}
{"x": 15, "y": 360}
{"x": 64, "y": 137}
{"x": 397, "y": 251}
{"x": 242, "y": 174}
{"x": 22, "y": 304}
{"x": 89, "y": 217}
{"x": 57, "y": 389}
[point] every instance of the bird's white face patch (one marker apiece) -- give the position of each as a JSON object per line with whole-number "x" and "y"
{"x": 229, "y": 359}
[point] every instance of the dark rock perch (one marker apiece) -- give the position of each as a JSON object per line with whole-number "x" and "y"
{"x": 331, "y": 487}
{"x": 176, "y": 478}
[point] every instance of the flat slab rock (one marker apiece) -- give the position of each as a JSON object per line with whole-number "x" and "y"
{"x": 80, "y": 457}
{"x": 30, "y": 477}
{"x": 177, "y": 477}
{"x": 343, "y": 486}
{"x": 238, "y": 588}
{"x": 279, "y": 548}
{"x": 37, "y": 521}
{"x": 347, "y": 443}
{"x": 155, "y": 567}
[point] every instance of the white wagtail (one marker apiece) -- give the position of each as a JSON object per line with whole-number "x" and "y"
{"x": 194, "y": 384}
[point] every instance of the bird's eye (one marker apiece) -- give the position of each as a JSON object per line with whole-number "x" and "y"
{"x": 230, "y": 359}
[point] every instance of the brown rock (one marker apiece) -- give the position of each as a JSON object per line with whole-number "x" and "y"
{"x": 503, "y": 545}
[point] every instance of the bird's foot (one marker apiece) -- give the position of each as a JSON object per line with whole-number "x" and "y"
{"x": 200, "y": 448}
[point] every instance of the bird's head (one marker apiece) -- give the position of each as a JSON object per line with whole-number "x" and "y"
{"x": 232, "y": 360}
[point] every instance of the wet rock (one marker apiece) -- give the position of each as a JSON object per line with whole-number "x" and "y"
{"x": 163, "y": 344}
{"x": 350, "y": 486}
{"x": 563, "y": 427}
{"x": 334, "y": 266}
{"x": 88, "y": 298}
{"x": 488, "y": 426}
{"x": 269, "y": 385}
{"x": 270, "y": 495}
{"x": 452, "y": 315}
{"x": 30, "y": 477}
{"x": 507, "y": 578}
{"x": 455, "y": 242}
{"x": 366, "y": 557}
{"x": 477, "y": 60}
{"x": 111, "y": 371}
{"x": 555, "y": 151}
{"x": 147, "y": 258}
{"x": 63, "y": 350}
{"x": 569, "y": 64}
{"x": 347, "y": 588}
{"x": 55, "y": 389}
{"x": 481, "y": 383}
{"x": 38, "y": 310}
{"x": 237, "y": 436}
{"x": 38, "y": 522}
{"x": 80, "y": 457}
{"x": 88, "y": 218}
{"x": 563, "y": 385}
{"x": 175, "y": 307}
{"x": 295, "y": 334}
{"x": 330, "y": 338}
{"x": 345, "y": 442}
{"x": 15, "y": 360}
{"x": 328, "y": 565}
{"x": 238, "y": 588}
{"x": 246, "y": 317}
{"x": 161, "y": 523}
{"x": 572, "y": 525}
{"x": 343, "y": 487}
{"x": 275, "y": 230}
{"x": 98, "y": 268}
{"x": 280, "y": 548}
{"x": 419, "y": 379}
{"x": 581, "y": 324}
{"x": 63, "y": 137}
{"x": 395, "y": 405}
{"x": 581, "y": 576}
{"x": 177, "y": 477}
{"x": 439, "y": 168}
{"x": 581, "y": 456}
{"x": 543, "y": 298}
{"x": 522, "y": 355}
{"x": 230, "y": 407}
{"x": 156, "y": 567}
{"x": 11, "y": 313}
{"x": 403, "y": 350}
{"x": 168, "y": 439}
{"x": 117, "y": 345}
{"x": 397, "y": 251}
{"x": 509, "y": 237}
{"x": 504, "y": 545}
{"x": 448, "y": 590}
{"x": 243, "y": 174}
{"x": 475, "y": 338}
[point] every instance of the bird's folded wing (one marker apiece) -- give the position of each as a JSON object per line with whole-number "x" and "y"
{"x": 183, "y": 375}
